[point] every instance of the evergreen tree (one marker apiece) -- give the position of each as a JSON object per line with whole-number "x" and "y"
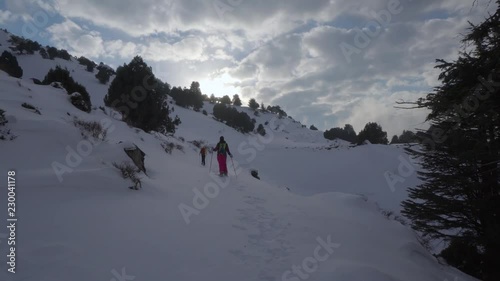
{"x": 407, "y": 137}
{"x": 63, "y": 54}
{"x": 350, "y": 134}
{"x": 43, "y": 53}
{"x": 347, "y": 133}
{"x": 459, "y": 197}
{"x": 191, "y": 97}
{"x": 225, "y": 100}
{"x": 90, "y": 65}
{"x": 9, "y": 64}
{"x": 236, "y": 100}
{"x": 80, "y": 100}
{"x": 313, "y": 128}
{"x": 195, "y": 96}
{"x": 394, "y": 139}
{"x": 140, "y": 97}
{"x": 334, "y": 133}
{"x": 373, "y": 133}
{"x": 277, "y": 110}
{"x": 107, "y": 68}
{"x": 103, "y": 75}
{"x": 177, "y": 93}
{"x": 233, "y": 118}
{"x": 22, "y": 45}
{"x": 253, "y": 104}
{"x": 52, "y": 52}
{"x": 212, "y": 98}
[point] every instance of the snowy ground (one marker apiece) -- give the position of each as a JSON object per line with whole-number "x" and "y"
{"x": 314, "y": 215}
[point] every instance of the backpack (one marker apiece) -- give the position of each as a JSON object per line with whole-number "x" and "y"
{"x": 222, "y": 148}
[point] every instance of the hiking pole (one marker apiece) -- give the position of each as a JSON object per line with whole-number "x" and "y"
{"x": 211, "y": 157}
{"x": 234, "y": 169}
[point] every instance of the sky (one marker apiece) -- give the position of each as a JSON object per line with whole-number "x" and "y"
{"x": 325, "y": 62}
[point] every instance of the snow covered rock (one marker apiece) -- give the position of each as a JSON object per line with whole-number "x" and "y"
{"x": 127, "y": 145}
{"x": 137, "y": 156}
{"x": 76, "y": 95}
{"x": 57, "y": 85}
{"x": 255, "y": 174}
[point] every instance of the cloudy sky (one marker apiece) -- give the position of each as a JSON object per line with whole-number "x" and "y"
{"x": 326, "y": 62}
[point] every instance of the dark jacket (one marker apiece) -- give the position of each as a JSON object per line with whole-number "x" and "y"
{"x": 222, "y": 145}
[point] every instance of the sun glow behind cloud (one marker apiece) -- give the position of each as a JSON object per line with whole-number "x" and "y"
{"x": 219, "y": 85}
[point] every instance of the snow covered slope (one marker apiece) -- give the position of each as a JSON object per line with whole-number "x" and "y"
{"x": 186, "y": 223}
{"x": 297, "y": 158}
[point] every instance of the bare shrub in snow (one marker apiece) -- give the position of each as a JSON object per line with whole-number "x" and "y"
{"x": 129, "y": 171}
{"x": 31, "y": 107}
{"x": 170, "y": 146}
{"x": 198, "y": 143}
{"x": 91, "y": 129}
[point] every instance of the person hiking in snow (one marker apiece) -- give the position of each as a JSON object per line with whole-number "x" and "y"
{"x": 203, "y": 153}
{"x": 222, "y": 151}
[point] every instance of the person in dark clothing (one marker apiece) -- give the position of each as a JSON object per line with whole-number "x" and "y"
{"x": 203, "y": 153}
{"x": 222, "y": 151}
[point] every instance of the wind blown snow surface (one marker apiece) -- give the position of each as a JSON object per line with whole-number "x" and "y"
{"x": 316, "y": 213}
